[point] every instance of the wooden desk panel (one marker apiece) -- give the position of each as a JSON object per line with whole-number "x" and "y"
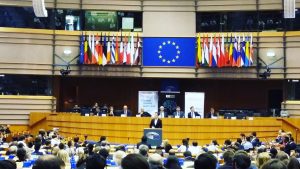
{"x": 129, "y": 130}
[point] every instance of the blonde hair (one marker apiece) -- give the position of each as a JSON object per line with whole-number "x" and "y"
{"x": 262, "y": 158}
{"x": 55, "y": 150}
{"x": 63, "y": 155}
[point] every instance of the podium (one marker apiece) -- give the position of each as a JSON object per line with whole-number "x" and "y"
{"x": 154, "y": 136}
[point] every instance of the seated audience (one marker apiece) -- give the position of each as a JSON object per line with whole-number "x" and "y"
{"x": 274, "y": 164}
{"x": 37, "y": 150}
{"x": 143, "y": 150}
{"x": 48, "y": 162}
{"x": 184, "y": 146}
{"x": 143, "y": 142}
{"x": 206, "y": 161}
{"x": 241, "y": 161}
{"x": 95, "y": 161}
{"x": 118, "y": 156}
{"x": 228, "y": 160}
{"x": 188, "y": 156}
{"x": 21, "y": 154}
{"x": 155, "y": 161}
{"x": 194, "y": 148}
{"x": 64, "y": 156}
{"x": 134, "y": 161}
{"x": 248, "y": 145}
{"x": 8, "y": 164}
{"x": 262, "y": 158}
{"x": 172, "y": 163}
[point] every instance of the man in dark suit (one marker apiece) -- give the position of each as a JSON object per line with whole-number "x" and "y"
{"x": 156, "y": 122}
{"x": 125, "y": 111}
{"x": 143, "y": 113}
{"x": 143, "y": 142}
{"x": 178, "y": 113}
{"x": 192, "y": 114}
{"x": 211, "y": 113}
{"x": 162, "y": 113}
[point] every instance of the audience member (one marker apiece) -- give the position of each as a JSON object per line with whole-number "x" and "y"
{"x": 172, "y": 163}
{"x": 95, "y": 161}
{"x": 143, "y": 142}
{"x": 155, "y": 161}
{"x": 274, "y": 164}
{"x": 7, "y": 164}
{"x": 228, "y": 160}
{"x": 134, "y": 161}
{"x": 48, "y": 162}
{"x": 206, "y": 161}
{"x": 194, "y": 148}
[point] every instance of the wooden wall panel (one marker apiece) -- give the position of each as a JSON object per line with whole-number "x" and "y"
{"x": 16, "y": 109}
{"x": 130, "y": 130}
{"x": 225, "y": 5}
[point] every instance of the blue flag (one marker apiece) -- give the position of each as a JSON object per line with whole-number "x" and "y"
{"x": 81, "y": 53}
{"x": 169, "y": 52}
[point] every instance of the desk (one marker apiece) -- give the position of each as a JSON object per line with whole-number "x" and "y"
{"x": 129, "y": 130}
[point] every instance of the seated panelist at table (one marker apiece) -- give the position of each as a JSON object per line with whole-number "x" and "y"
{"x": 125, "y": 111}
{"x": 211, "y": 113}
{"x": 76, "y": 108}
{"x": 192, "y": 114}
{"x": 143, "y": 113}
{"x": 178, "y": 113}
{"x": 162, "y": 113}
{"x": 111, "y": 111}
{"x": 156, "y": 122}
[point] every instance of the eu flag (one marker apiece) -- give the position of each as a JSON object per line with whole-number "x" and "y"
{"x": 176, "y": 52}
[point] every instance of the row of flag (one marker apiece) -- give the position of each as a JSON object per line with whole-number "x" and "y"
{"x": 105, "y": 49}
{"x": 215, "y": 52}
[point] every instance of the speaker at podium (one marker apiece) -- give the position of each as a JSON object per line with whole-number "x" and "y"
{"x": 154, "y": 136}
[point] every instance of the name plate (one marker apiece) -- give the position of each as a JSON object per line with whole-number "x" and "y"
{"x": 86, "y": 114}
{"x": 123, "y": 115}
{"x": 198, "y": 117}
{"x": 138, "y": 115}
{"x": 103, "y": 115}
{"x": 177, "y": 117}
{"x": 233, "y": 118}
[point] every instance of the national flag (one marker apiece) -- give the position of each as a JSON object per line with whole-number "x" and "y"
{"x": 137, "y": 53}
{"x": 81, "y": 50}
{"x": 247, "y": 51}
{"x": 235, "y": 53}
{"x": 240, "y": 62}
{"x": 104, "y": 59}
{"x": 168, "y": 51}
{"x": 218, "y": 47}
{"x": 206, "y": 51}
{"x": 214, "y": 53}
{"x": 99, "y": 49}
{"x": 117, "y": 51}
{"x": 131, "y": 49}
{"x": 251, "y": 50}
{"x": 199, "y": 50}
{"x": 121, "y": 56}
{"x": 210, "y": 51}
{"x": 203, "y": 50}
{"x": 223, "y": 52}
{"x": 108, "y": 52}
{"x": 243, "y": 52}
{"x": 128, "y": 51}
{"x": 94, "y": 58}
{"x": 230, "y": 53}
{"x": 90, "y": 51}
{"x": 125, "y": 51}
{"x": 113, "y": 51}
{"x": 86, "y": 47}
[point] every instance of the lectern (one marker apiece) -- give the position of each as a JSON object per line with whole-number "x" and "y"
{"x": 154, "y": 136}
